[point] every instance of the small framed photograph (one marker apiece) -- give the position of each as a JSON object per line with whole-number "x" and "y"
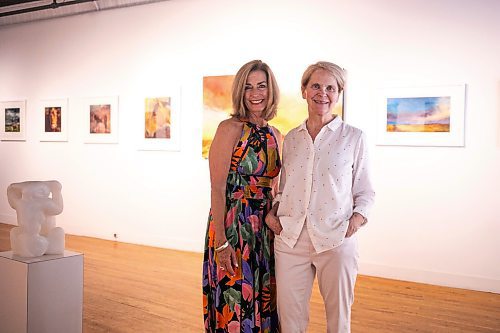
{"x": 100, "y": 120}
{"x": 422, "y": 116}
{"x": 13, "y": 120}
{"x": 160, "y": 122}
{"x": 53, "y": 114}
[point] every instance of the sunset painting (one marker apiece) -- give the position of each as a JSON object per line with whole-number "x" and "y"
{"x": 418, "y": 114}
{"x": 217, "y": 106}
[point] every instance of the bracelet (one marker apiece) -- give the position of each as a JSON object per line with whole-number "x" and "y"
{"x": 222, "y": 247}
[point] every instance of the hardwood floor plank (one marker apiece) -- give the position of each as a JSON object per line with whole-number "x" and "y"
{"x": 133, "y": 288}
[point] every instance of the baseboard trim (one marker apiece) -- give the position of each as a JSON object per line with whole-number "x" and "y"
{"x": 180, "y": 244}
{"x": 431, "y": 277}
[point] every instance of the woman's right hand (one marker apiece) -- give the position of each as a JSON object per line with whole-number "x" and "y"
{"x": 273, "y": 222}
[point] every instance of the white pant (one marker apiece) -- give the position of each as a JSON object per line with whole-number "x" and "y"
{"x": 295, "y": 272}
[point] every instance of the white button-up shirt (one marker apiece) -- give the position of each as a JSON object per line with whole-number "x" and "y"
{"x": 323, "y": 182}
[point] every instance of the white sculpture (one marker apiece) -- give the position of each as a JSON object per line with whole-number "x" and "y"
{"x": 37, "y": 233}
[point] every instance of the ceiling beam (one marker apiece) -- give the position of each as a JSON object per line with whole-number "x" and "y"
{"x": 7, "y": 3}
{"x": 53, "y": 5}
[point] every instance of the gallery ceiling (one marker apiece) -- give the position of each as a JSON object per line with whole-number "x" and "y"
{"x": 22, "y": 11}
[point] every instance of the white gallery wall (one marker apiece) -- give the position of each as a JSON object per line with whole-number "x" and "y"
{"x": 436, "y": 217}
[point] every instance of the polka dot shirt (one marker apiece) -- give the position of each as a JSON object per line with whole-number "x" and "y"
{"x": 323, "y": 183}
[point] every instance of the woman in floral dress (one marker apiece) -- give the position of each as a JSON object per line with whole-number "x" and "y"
{"x": 239, "y": 291}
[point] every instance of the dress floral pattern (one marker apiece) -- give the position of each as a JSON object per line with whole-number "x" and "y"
{"x": 247, "y": 301}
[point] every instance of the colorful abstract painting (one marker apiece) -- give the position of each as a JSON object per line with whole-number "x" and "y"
{"x": 217, "y": 106}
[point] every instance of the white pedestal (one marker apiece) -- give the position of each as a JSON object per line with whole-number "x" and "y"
{"x": 42, "y": 294}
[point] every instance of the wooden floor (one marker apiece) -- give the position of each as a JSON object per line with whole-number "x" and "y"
{"x": 131, "y": 288}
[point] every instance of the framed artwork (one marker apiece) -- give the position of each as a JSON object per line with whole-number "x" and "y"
{"x": 53, "y": 114}
{"x": 160, "y": 122}
{"x": 13, "y": 121}
{"x": 217, "y": 106}
{"x": 422, "y": 116}
{"x": 100, "y": 120}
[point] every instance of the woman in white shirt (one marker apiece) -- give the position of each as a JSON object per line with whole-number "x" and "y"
{"x": 324, "y": 198}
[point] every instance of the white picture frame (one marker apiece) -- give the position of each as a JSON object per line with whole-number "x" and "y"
{"x": 53, "y": 119}
{"x": 100, "y": 119}
{"x": 164, "y": 133}
{"x": 13, "y": 120}
{"x": 421, "y": 116}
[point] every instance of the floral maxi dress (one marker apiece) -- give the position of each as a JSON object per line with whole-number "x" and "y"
{"x": 247, "y": 301}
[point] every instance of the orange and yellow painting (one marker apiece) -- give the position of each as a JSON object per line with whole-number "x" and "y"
{"x": 418, "y": 114}
{"x": 157, "y": 118}
{"x": 53, "y": 119}
{"x": 217, "y": 106}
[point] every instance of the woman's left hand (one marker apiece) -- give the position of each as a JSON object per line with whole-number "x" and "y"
{"x": 355, "y": 222}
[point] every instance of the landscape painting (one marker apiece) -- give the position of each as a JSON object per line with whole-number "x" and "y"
{"x": 418, "y": 114}
{"x": 431, "y": 115}
{"x": 13, "y": 120}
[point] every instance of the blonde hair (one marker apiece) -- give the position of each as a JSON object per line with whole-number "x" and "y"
{"x": 238, "y": 90}
{"x": 337, "y": 72}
